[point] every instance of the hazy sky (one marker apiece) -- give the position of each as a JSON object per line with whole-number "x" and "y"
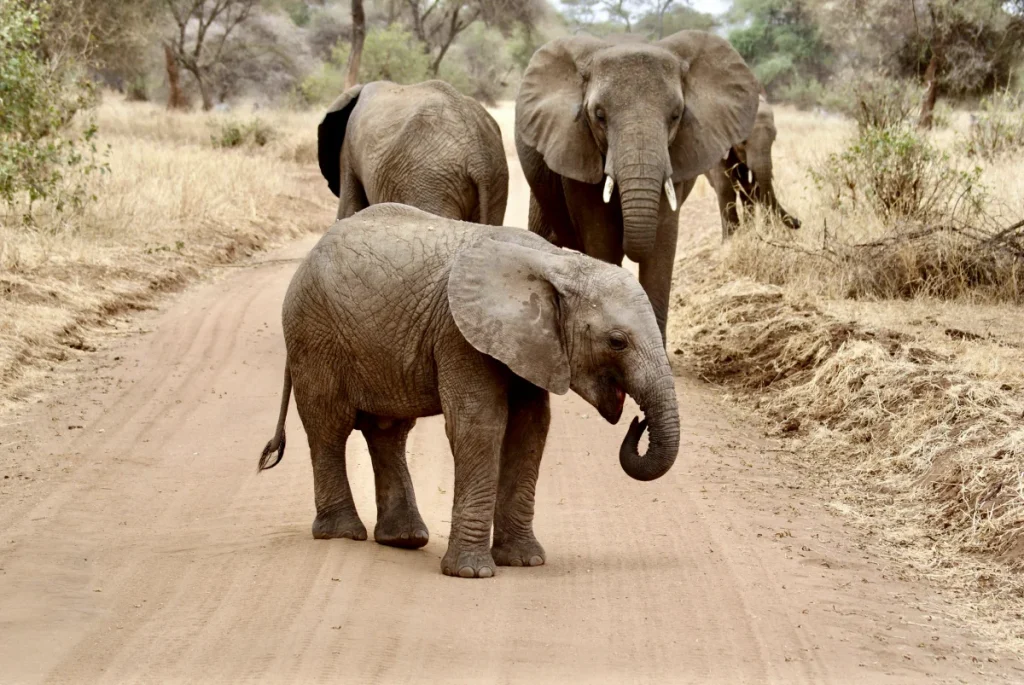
{"x": 711, "y": 6}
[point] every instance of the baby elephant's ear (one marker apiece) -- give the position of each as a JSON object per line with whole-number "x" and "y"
{"x": 503, "y": 301}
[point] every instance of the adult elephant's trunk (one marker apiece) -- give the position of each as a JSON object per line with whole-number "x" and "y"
{"x": 656, "y": 395}
{"x": 760, "y": 162}
{"x": 640, "y": 167}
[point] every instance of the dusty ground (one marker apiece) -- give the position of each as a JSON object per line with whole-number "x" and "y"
{"x": 139, "y": 544}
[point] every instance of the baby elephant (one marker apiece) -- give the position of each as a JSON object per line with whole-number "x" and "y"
{"x": 397, "y": 314}
{"x": 423, "y": 145}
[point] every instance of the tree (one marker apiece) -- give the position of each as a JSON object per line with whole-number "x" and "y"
{"x": 665, "y": 17}
{"x": 438, "y": 23}
{"x": 957, "y": 47}
{"x": 781, "y": 41}
{"x": 111, "y": 36}
{"x": 604, "y": 16}
{"x": 42, "y": 88}
{"x": 358, "y": 38}
{"x": 201, "y": 50}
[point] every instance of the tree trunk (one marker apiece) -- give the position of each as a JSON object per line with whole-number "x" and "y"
{"x": 204, "y": 91}
{"x": 928, "y": 103}
{"x": 358, "y": 38}
{"x": 175, "y": 98}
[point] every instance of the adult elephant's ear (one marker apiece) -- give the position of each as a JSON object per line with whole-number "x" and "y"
{"x": 719, "y": 99}
{"x": 549, "y": 116}
{"x": 331, "y": 134}
{"x": 503, "y": 300}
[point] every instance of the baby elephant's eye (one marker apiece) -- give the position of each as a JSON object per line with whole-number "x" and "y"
{"x": 676, "y": 115}
{"x": 617, "y": 340}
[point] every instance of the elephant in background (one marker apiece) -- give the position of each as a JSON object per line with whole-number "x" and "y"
{"x": 397, "y": 314}
{"x": 746, "y": 171}
{"x": 646, "y": 119}
{"x": 424, "y": 145}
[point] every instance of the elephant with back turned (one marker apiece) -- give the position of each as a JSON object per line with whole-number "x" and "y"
{"x": 746, "y": 174}
{"x": 397, "y": 314}
{"x": 424, "y": 145}
{"x": 647, "y": 119}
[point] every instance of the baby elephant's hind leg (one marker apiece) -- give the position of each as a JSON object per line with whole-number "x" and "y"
{"x": 336, "y": 515}
{"x": 398, "y": 520}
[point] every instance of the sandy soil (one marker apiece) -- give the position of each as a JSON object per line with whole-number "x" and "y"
{"x": 138, "y": 543}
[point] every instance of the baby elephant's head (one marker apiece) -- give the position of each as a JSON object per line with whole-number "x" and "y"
{"x": 562, "y": 320}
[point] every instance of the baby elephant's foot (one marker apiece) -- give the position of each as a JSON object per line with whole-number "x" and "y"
{"x": 471, "y": 564}
{"x": 339, "y": 525}
{"x": 518, "y": 552}
{"x": 401, "y": 528}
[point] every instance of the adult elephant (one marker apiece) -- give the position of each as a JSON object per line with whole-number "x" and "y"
{"x": 424, "y": 145}
{"x": 648, "y": 119}
{"x": 746, "y": 174}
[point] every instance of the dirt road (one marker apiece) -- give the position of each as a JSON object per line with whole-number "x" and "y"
{"x": 138, "y": 543}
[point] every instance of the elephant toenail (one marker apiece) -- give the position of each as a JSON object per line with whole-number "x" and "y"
{"x": 486, "y": 572}
{"x": 405, "y": 536}
{"x": 466, "y": 572}
{"x": 536, "y": 560}
{"x": 515, "y": 562}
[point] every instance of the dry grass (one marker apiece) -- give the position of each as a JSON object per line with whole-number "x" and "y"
{"x": 827, "y": 256}
{"x": 908, "y": 413}
{"x": 172, "y": 207}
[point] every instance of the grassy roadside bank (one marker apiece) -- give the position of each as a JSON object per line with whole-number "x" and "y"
{"x": 185, "y": 192}
{"x": 906, "y": 415}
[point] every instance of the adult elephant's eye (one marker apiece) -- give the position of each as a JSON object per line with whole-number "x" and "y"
{"x": 617, "y": 340}
{"x": 599, "y": 114}
{"x": 676, "y": 115}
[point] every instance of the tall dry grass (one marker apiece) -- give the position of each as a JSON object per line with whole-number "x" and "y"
{"x": 171, "y": 207}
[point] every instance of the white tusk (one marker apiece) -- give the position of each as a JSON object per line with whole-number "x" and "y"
{"x": 670, "y": 193}
{"x": 609, "y": 183}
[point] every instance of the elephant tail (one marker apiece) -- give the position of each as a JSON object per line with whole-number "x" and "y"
{"x": 491, "y": 196}
{"x": 273, "y": 453}
{"x": 483, "y": 198}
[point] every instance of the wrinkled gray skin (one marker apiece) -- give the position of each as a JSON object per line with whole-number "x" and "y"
{"x": 398, "y": 314}
{"x": 640, "y": 113}
{"x": 424, "y": 145}
{"x": 747, "y": 172}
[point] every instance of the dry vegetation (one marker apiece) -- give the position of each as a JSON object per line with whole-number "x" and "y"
{"x": 894, "y": 376}
{"x": 173, "y": 206}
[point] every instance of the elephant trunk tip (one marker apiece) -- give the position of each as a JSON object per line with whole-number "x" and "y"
{"x": 637, "y": 250}
{"x": 650, "y": 466}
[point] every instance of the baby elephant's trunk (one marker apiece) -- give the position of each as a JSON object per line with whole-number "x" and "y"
{"x": 269, "y": 459}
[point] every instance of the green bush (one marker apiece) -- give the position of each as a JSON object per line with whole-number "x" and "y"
{"x": 802, "y": 93}
{"x": 900, "y": 176}
{"x": 997, "y": 130}
{"x": 300, "y": 13}
{"x": 322, "y": 86}
{"x": 480, "y": 65}
{"x": 233, "y": 134}
{"x": 43, "y": 156}
{"x": 389, "y": 54}
{"x": 875, "y": 100}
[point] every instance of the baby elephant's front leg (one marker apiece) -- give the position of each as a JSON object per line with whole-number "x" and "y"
{"x": 529, "y": 415}
{"x": 475, "y": 430}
